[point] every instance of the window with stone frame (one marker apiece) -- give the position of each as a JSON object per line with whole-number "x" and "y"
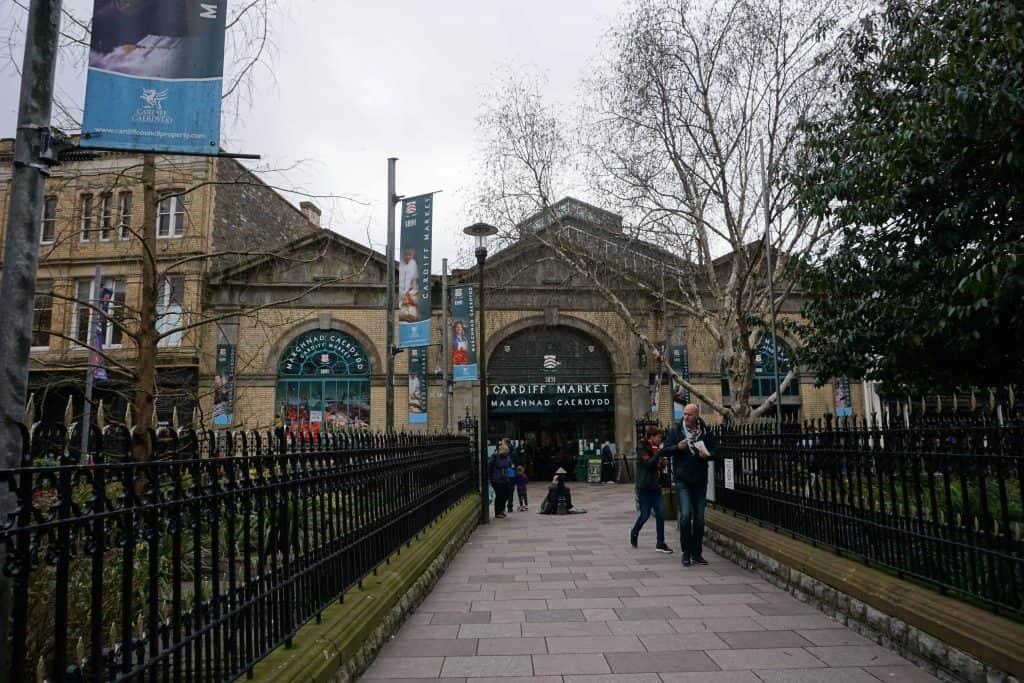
{"x": 84, "y": 316}
{"x": 42, "y": 314}
{"x": 170, "y": 309}
{"x": 106, "y": 216}
{"x": 48, "y": 231}
{"x": 124, "y": 215}
{"x": 86, "y": 220}
{"x": 170, "y": 219}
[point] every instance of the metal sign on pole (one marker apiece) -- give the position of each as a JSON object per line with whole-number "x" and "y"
{"x": 445, "y": 355}
{"x": 389, "y": 313}
{"x": 90, "y": 368}
{"x": 771, "y": 292}
{"x": 33, "y": 154}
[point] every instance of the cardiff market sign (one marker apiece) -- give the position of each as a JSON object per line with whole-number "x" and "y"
{"x": 543, "y": 398}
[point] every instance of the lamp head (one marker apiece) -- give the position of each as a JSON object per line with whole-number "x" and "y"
{"x": 480, "y": 232}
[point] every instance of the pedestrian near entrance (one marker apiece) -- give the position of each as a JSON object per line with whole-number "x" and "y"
{"x": 691, "y": 447}
{"x": 521, "y": 481}
{"x": 649, "y": 465}
{"x": 498, "y": 474}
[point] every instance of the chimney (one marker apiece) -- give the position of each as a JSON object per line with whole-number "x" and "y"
{"x": 311, "y": 212}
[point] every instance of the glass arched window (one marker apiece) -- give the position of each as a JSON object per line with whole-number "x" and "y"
{"x": 323, "y": 378}
{"x": 764, "y": 375}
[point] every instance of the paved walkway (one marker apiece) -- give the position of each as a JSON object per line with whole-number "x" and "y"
{"x": 566, "y": 600}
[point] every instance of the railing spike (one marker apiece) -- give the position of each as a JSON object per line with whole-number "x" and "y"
{"x": 174, "y": 418}
{"x": 101, "y": 415}
{"x": 128, "y": 422}
{"x": 69, "y": 413}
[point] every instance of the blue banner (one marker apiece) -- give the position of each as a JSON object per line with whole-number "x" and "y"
{"x": 414, "y": 272}
{"x": 463, "y": 358}
{"x": 418, "y": 386}
{"x": 155, "y": 72}
{"x": 224, "y": 386}
{"x": 679, "y": 360}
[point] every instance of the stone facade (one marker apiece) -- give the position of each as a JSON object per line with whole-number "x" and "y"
{"x": 93, "y": 218}
{"x": 329, "y": 282}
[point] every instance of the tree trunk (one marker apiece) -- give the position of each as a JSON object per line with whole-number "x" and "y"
{"x": 145, "y": 363}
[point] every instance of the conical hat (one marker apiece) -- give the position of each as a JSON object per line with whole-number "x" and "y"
{"x": 560, "y": 471}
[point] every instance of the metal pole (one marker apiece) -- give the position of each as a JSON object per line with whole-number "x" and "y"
{"x": 90, "y": 370}
{"x": 481, "y": 256}
{"x": 389, "y": 314}
{"x": 21, "y": 253}
{"x": 771, "y": 293}
{"x": 445, "y": 355}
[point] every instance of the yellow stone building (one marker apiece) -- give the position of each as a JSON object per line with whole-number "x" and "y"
{"x": 211, "y": 212}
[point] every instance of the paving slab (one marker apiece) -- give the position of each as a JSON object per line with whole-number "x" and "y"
{"x": 566, "y": 599}
{"x": 488, "y": 665}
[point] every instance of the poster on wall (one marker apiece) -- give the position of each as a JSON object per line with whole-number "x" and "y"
{"x": 464, "y": 368}
{"x": 414, "y": 272}
{"x": 680, "y": 363}
{"x": 418, "y": 386}
{"x": 224, "y": 386}
{"x": 844, "y": 400}
{"x": 154, "y": 79}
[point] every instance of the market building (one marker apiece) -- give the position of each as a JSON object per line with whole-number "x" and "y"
{"x": 562, "y": 366}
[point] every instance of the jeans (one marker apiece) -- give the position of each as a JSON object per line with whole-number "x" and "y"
{"x": 692, "y": 499}
{"x": 651, "y": 500}
{"x": 522, "y": 498}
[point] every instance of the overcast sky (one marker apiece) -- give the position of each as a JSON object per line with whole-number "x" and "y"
{"x": 353, "y": 82}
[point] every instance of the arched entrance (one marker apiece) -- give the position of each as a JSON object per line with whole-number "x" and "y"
{"x": 552, "y": 389}
{"x": 323, "y": 378}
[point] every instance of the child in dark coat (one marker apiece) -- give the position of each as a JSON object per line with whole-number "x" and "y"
{"x": 521, "y": 481}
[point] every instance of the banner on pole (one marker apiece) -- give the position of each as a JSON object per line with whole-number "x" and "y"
{"x": 679, "y": 360}
{"x": 464, "y": 367}
{"x": 99, "y": 372}
{"x": 843, "y": 396}
{"x": 155, "y": 73}
{"x": 414, "y": 272}
{"x": 418, "y": 386}
{"x": 224, "y": 386}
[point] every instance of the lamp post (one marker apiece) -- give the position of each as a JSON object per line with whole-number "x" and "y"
{"x": 480, "y": 232}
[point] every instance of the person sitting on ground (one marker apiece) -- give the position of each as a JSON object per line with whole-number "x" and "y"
{"x": 559, "y": 491}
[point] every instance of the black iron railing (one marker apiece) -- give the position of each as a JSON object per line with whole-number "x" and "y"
{"x": 196, "y": 564}
{"x": 938, "y": 502}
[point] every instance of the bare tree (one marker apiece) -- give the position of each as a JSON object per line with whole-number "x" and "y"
{"x": 687, "y": 129}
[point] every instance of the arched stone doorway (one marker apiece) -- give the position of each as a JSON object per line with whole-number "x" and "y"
{"x": 552, "y": 389}
{"x": 323, "y": 378}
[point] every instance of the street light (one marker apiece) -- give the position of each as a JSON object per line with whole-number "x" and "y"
{"x": 480, "y": 232}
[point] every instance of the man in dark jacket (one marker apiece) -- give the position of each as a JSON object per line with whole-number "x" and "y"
{"x": 649, "y": 465}
{"x": 691, "y": 446}
{"x": 498, "y": 473}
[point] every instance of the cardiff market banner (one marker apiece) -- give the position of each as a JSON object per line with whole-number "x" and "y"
{"x": 464, "y": 368}
{"x": 679, "y": 360}
{"x": 155, "y": 72}
{"x": 418, "y": 386}
{"x": 224, "y": 386}
{"x": 414, "y": 272}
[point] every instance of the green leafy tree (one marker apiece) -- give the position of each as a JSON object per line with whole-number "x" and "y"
{"x": 919, "y": 161}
